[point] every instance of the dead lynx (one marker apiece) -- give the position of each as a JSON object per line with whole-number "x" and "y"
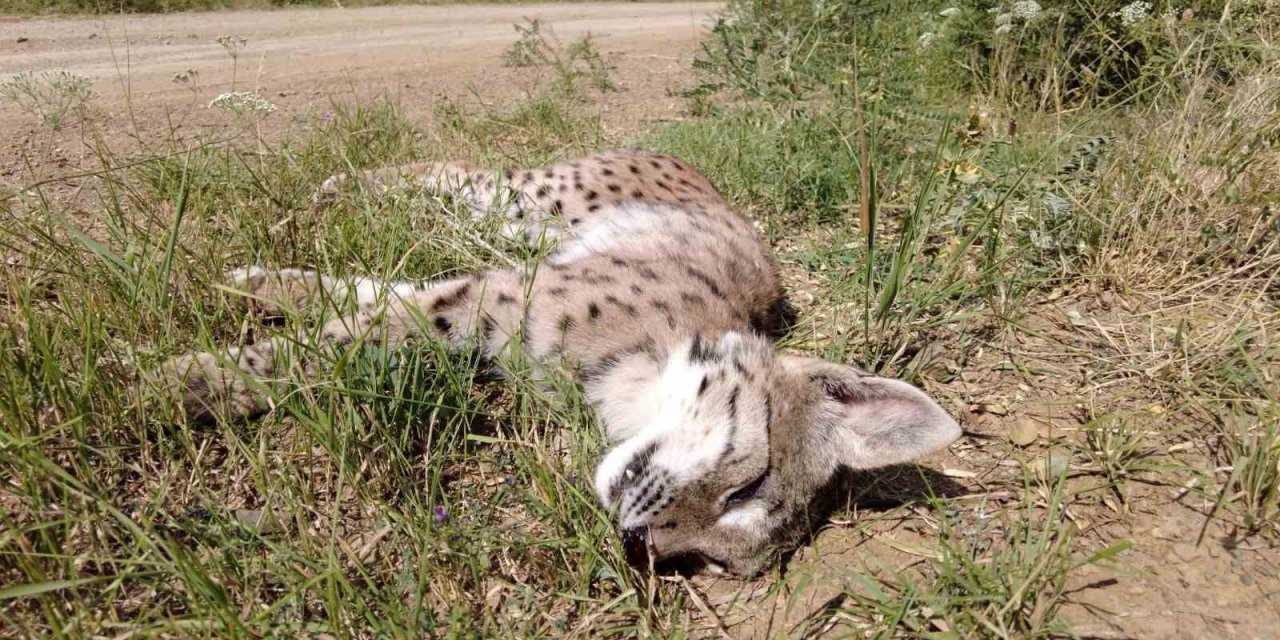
{"x": 662, "y": 299}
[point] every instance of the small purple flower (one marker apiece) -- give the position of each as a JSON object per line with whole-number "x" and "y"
{"x": 326, "y": 118}
{"x": 441, "y": 514}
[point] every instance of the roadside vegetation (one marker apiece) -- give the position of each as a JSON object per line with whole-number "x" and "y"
{"x": 1061, "y": 220}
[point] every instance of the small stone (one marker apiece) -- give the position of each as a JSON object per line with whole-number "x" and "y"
{"x": 22, "y": 39}
{"x": 1185, "y": 551}
{"x": 1024, "y": 433}
{"x": 263, "y": 522}
{"x": 995, "y": 409}
{"x": 1055, "y": 462}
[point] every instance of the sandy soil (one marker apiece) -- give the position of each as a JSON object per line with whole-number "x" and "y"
{"x": 302, "y": 59}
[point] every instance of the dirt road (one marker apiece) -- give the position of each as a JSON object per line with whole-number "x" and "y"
{"x": 303, "y": 57}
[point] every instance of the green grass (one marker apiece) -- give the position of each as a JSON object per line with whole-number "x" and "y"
{"x": 394, "y": 494}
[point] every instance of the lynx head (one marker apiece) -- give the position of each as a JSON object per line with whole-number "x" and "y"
{"x": 741, "y": 440}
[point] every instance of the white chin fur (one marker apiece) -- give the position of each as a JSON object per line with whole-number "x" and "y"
{"x": 745, "y": 517}
{"x": 612, "y": 467}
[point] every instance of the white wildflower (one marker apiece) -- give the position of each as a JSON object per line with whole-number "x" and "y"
{"x": 243, "y": 102}
{"x": 926, "y": 39}
{"x": 1133, "y": 13}
{"x": 1026, "y": 10}
{"x": 1003, "y": 29}
{"x": 949, "y": 11}
{"x": 1004, "y": 19}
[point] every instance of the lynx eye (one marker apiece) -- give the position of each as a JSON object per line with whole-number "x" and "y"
{"x": 745, "y": 492}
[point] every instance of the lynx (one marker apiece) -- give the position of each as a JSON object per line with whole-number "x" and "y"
{"x": 664, "y": 302}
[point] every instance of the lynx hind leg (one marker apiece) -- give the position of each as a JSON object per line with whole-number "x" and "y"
{"x": 462, "y": 179}
{"x": 524, "y": 197}
{"x": 479, "y": 311}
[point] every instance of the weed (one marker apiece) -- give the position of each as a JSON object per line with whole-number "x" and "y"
{"x": 56, "y": 98}
{"x": 572, "y": 65}
{"x": 1252, "y": 450}
{"x": 543, "y": 124}
{"x": 234, "y": 46}
{"x": 526, "y": 51}
{"x": 1119, "y": 451}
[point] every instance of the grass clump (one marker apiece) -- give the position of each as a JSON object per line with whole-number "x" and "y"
{"x": 988, "y": 579}
{"x": 578, "y": 62}
{"x": 381, "y": 496}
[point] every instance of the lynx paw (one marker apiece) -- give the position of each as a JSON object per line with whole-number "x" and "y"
{"x": 205, "y": 389}
{"x": 272, "y": 293}
{"x": 327, "y": 194}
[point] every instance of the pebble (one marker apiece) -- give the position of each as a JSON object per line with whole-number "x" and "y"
{"x": 1056, "y": 462}
{"x": 1024, "y": 433}
{"x": 995, "y": 409}
{"x": 1185, "y": 551}
{"x": 258, "y": 520}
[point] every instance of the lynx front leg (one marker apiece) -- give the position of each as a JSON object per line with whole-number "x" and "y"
{"x": 481, "y": 311}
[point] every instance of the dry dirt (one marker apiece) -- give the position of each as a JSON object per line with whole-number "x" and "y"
{"x": 304, "y": 59}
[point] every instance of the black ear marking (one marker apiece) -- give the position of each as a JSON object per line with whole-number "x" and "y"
{"x": 844, "y": 391}
{"x": 835, "y": 389}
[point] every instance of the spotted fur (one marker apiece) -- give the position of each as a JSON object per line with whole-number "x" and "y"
{"x": 664, "y": 301}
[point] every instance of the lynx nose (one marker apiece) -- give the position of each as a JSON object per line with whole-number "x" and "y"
{"x": 635, "y": 546}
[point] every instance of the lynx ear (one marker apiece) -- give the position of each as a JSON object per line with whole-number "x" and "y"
{"x": 867, "y": 421}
